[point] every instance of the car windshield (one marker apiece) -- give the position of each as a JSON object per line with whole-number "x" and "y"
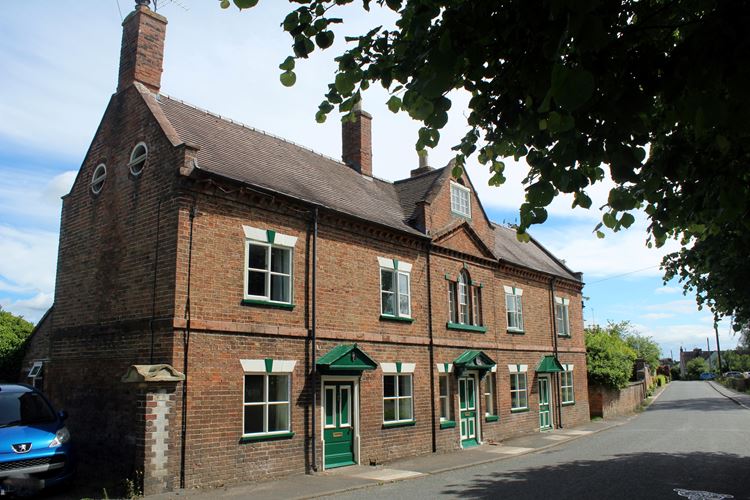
{"x": 24, "y": 408}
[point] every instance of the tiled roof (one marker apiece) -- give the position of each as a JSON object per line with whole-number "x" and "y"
{"x": 235, "y": 151}
{"x": 531, "y": 255}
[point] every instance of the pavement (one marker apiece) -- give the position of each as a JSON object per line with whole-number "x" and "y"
{"x": 741, "y": 398}
{"x": 347, "y": 479}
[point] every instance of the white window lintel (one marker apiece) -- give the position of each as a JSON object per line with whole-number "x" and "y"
{"x": 260, "y": 366}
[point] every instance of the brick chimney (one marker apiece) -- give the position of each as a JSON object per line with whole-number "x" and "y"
{"x": 356, "y": 141}
{"x": 142, "y": 48}
{"x": 424, "y": 164}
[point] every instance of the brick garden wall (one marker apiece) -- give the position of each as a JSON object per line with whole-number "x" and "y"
{"x": 608, "y": 403}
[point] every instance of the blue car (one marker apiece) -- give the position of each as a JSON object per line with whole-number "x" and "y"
{"x": 35, "y": 445}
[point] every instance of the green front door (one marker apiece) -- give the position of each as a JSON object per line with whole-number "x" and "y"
{"x": 545, "y": 421}
{"x": 468, "y": 410}
{"x": 338, "y": 424}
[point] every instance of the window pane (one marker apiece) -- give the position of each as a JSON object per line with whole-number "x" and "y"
{"x": 278, "y": 388}
{"x": 278, "y": 417}
{"x": 388, "y": 303}
{"x": 386, "y": 280}
{"x": 389, "y": 410}
{"x": 443, "y": 382}
{"x": 281, "y": 261}
{"x": 403, "y": 305}
{"x": 280, "y": 288}
{"x": 452, "y": 302}
{"x": 404, "y": 385}
{"x": 477, "y": 306}
{"x": 403, "y": 283}
{"x": 253, "y": 419}
{"x": 522, "y": 400}
{"x": 522, "y": 381}
{"x": 256, "y": 283}
{"x": 510, "y": 303}
{"x": 253, "y": 388}
{"x": 256, "y": 256}
{"x": 513, "y": 381}
{"x": 330, "y": 405}
{"x": 389, "y": 386}
{"x": 404, "y": 409}
{"x": 344, "y": 402}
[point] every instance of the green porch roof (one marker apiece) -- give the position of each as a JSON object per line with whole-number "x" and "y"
{"x": 346, "y": 358}
{"x": 473, "y": 360}
{"x": 549, "y": 364}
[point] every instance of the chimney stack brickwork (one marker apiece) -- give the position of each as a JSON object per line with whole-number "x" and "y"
{"x": 142, "y": 51}
{"x": 356, "y": 142}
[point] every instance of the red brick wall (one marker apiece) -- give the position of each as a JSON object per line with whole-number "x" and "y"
{"x": 608, "y": 403}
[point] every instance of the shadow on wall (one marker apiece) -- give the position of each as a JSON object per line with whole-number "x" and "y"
{"x": 633, "y": 476}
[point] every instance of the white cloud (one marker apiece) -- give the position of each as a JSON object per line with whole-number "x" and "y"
{"x": 29, "y": 257}
{"x": 657, "y": 315}
{"x": 667, "y": 290}
{"x": 682, "y": 306}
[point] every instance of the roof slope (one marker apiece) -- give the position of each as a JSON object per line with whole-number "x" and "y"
{"x": 234, "y": 151}
{"x": 531, "y": 255}
{"x": 246, "y": 155}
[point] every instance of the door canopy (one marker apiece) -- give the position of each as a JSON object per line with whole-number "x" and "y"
{"x": 549, "y": 364}
{"x": 473, "y": 360}
{"x": 344, "y": 359}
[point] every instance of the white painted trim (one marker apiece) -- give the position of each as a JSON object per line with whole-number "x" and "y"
{"x": 285, "y": 240}
{"x": 561, "y": 300}
{"x": 408, "y": 367}
{"x": 390, "y": 368}
{"x": 510, "y": 290}
{"x": 100, "y": 177}
{"x": 385, "y": 263}
{"x": 441, "y": 367}
{"x": 549, "y": 400}
{"x": 465, "y": 189}
{"x": 568, "y": 367}
{"x": 493, "y": 369}
{"x": 255, "y": 234}
{"x": 259, "y": 365}
{"x": 515, "y": 368}
{"x": 404, "y": 266}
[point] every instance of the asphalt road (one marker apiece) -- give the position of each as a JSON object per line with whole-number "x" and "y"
{"x": 690, "y": 438}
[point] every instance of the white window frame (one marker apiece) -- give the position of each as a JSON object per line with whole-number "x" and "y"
{"x": 562, "y": 316}
{"x": 98, "y": 178}
{"x": 490, "y": 407}
{"x": 445, "y": 400}
{"x": 138, "y": 163}
{"x": 519, "y": 372}
{"x": 452, "y": 293}
{"x": 514, "y": 315}
{"x": 401, "y": 271}
{"x": 567, "y": 383}
{"x": 260, "y": 237}
{"x": 266, "y": 403}
{"x": 464, "y": 298}
{"x": 397, "y": 398}
{"x": 460, "y": 200}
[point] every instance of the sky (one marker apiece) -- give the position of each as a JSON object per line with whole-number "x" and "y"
{"x": 58, "y": 69}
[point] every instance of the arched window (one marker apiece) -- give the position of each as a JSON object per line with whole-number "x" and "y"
{"x": 463, "y": 297}
{"x": 464, "y": 301}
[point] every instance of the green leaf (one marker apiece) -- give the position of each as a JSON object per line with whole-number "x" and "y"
{"x": 324, "y": 39}
{"x": 245, "y": 4}
{"x": 600, "y": 235}
{"x": 627, "y": 220}
{"x": 224, "y": 4}
{"x": 523, "y": 237}
{"x": 344, "y": 83}
{"x": 723, "y": 144}
{"x": 421, "y": 109}
{"x": 288, "y": 64}
{"x": 609, "y": 220}
{"x": 394, "y": 104}
{"x": 302, "y": 47}
{"x": 571, "y": 87}
{"x": 291, "y": 21}
{"x": 540, "y": 193}
{"x": 288, "y": 78}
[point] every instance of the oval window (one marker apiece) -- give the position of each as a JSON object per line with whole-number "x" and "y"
{"x": 97, "y": 180}
{"x": 138, "y": 158}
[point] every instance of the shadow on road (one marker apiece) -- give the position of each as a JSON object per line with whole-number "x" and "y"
{"x": 719, "y": 403}
{"x": 634, "y": 476}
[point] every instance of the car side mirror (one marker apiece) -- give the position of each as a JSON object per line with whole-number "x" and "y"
{"x": 63, "y": 415}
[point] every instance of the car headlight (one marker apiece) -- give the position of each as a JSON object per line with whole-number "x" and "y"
{"x": 62, "y": 436}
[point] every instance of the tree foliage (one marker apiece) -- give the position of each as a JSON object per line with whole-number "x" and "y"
{"x": 645, "y": 348}
{"x": 14, "y": 330}
{"x": 580, "y": 89}
{"x": 735, "y": 361}
{"x": 695, "y": 367}
{"x": 608, "y": 357}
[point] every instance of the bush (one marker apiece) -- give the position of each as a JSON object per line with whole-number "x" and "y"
{"x": 14, "y": 330}
{"x": 610, "y": 360}
{"x": 674, "y": 372}
{"x": 695, "y": 367}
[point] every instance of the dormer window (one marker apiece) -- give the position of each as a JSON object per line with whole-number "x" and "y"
{"x": 138, "y": 158}
{"x": 98, "y": 178}
{"x": 460, "y": 200}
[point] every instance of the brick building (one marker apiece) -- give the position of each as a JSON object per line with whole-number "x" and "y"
{"x": 231, "y": 306}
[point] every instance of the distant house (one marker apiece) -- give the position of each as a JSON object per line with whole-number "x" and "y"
{"x": 230, "y": 305}
{"x": 687, "y": 356}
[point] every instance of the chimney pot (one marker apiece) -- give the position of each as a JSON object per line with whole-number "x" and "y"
{"x": 356, "y": 141}
{"x": 142, "y": 50}
{"x": 424, "y": 164}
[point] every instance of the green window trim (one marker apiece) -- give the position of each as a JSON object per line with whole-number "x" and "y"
{"x": 465, "y": 328}
{"x": 266, "y": 437}
{"x": 564, "y": 335}
{"x": 514, "y": 331}
{"x": 491, "y": 418}
{"x": 447, "y": 424}
{"x": 266, "y": 303}
{"x": 519, "y": 410}
{"x": 569, "y": 403}
{"x": 402, "y": 319}
{"x": 406, "y": 423}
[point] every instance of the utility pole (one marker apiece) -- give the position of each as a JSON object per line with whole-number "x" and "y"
{"x": 718, "y": 347}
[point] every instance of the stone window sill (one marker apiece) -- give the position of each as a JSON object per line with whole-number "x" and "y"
{"x": 519, "y": 410}
{"x": 266, "y": 303}
{"x": 391, "y": 425}
{"x": 491, "y": 418}
{"x": 266, "y": 437}
{"x": 465, "y": 328}
{"x": 400, "y": 319}
{"x": 447, "y": 424}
